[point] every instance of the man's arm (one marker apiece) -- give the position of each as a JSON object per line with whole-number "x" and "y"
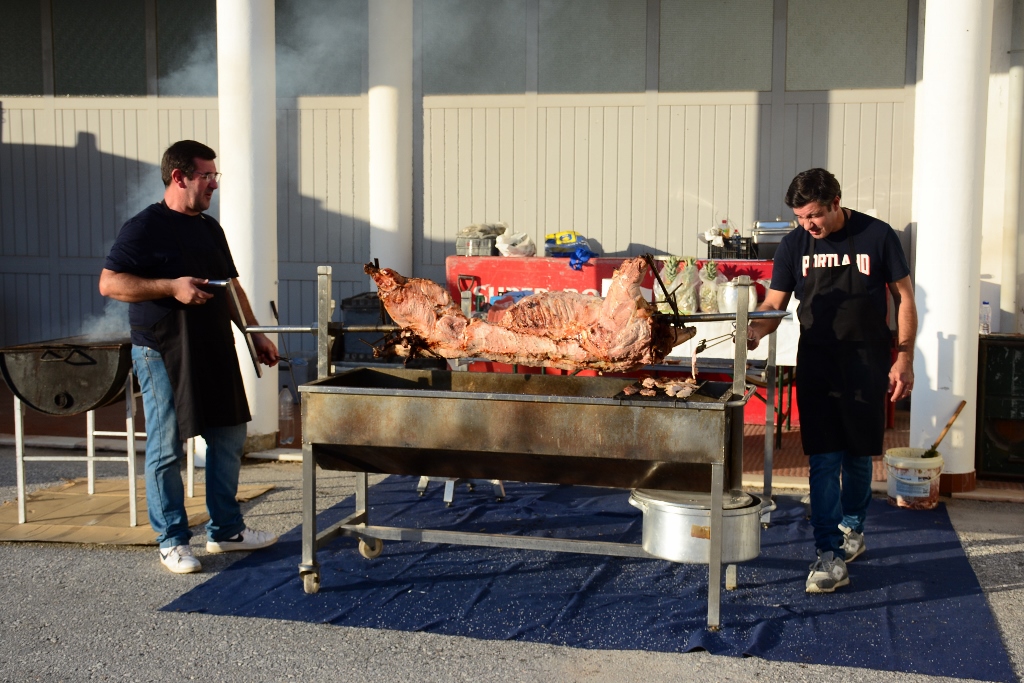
{"x": 901, "y": 375}
{"x": 266, "y": 350}
{"x": 774, "y": 300}
{"x": 133, "y": 289}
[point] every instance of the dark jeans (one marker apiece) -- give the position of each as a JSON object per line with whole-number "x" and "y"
{"x": 165, "y": 493}
{"x": 840, "y": 493}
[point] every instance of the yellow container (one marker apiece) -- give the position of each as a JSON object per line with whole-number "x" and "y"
{"x": 913, "y": 481}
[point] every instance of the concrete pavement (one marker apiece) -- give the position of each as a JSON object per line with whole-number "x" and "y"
{"x": 82, "y": 613}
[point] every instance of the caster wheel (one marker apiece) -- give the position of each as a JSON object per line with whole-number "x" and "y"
{"x": 371, "y": 551}
{"x": 447, "y": 505}
{"x": 499, "y": 500}
{"x": 311, "y": 582}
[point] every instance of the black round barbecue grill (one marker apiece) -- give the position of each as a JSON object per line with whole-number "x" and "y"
{"x": 68, "y": 376}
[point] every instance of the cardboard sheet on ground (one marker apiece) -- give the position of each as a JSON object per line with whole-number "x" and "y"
{"x": 68, "y": 514}
{"x": 914, "y": 604}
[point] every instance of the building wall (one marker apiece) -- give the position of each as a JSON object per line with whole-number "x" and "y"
{"x": 696, "y": 129}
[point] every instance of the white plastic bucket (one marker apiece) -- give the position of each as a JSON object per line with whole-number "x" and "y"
{"x": 913, "y": 481}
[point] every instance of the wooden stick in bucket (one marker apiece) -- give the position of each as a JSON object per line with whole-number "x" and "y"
{"x": 933, "y": 451}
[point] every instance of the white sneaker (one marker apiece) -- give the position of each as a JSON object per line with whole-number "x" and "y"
{"x": 853, "y": 543}
{"x": 180, "y": 559}
{"x": 827, "y": 574}
{"x": 249, "y": 539}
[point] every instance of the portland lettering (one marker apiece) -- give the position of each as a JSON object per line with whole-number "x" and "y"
{"x": 835, "y": 261}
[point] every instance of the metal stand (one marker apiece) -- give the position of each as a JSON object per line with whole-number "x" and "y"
{"x": 90, "y": 457}
{"x": 725, "y": 465}
{"x": 450, "y": 484}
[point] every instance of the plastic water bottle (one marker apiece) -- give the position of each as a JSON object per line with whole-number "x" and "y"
{"x": 285, "y": 410}
{"x": 986, "y": 318}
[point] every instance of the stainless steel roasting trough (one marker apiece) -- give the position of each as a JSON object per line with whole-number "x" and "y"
{"x": 536, "y": 428}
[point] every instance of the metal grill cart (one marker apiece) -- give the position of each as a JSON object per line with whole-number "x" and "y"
{"x": 538, "y": 428}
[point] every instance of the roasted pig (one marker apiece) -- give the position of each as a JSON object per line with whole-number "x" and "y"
{"x": 554, "y": 329}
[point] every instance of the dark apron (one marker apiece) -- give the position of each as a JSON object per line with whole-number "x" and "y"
{"x": 198, "y": 350}
{"x": 843, "y": 361}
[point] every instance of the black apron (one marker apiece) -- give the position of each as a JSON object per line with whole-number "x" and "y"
{"x": 843, "y": 361}
{"x": 198, "y": 349}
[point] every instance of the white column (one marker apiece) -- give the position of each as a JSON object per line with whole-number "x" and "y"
{"x": 390, "y": 132}
{"x": 248, "y": 159}
{"x": 949, "y": 143}
{"x": 1012, "y": 285}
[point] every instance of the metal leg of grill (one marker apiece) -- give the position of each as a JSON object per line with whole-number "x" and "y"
{"x": 715, "y": 560}
{"x": 90, "y": 450}
{"x": 129, "y": 420}
{"x": 309, "y": 570}
{"x": 19, "y": 454}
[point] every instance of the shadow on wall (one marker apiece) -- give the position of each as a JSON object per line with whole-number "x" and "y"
{"x": 61, "y": 208}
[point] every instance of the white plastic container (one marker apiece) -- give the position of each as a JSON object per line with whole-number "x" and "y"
{"x": 912, "y": 481}
{"x": 985, "y": 316}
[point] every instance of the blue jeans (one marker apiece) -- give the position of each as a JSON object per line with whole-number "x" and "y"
{"x": 165, "y": 493}
{"x": 833, "y": 503}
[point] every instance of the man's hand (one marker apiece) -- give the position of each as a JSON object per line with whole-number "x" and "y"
{"x": 187, "y": 291}
{"x": 774, "y": 300}
{"x": 901, "y": 377}
{"x": 266, "y": 350}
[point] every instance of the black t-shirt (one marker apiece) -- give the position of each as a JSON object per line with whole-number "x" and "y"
{"x": 879, "y": 254}
{"x": 162, "y": 243}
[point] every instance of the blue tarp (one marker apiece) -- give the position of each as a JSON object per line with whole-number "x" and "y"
{"x": 914, "y": 603}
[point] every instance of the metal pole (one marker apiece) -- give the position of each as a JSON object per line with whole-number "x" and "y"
{"x": 323, "y": 316}
{"x": 90, "y": 450}
{"x": 770, "y": 418}
{"x": 190, "y": 464}
{"x": 715, "y": 559}
{"x": 309, "y": 563}
{"x": 19, "y": 456}
{"x": 739, "y": 374}
{"x": 129, "y": 397}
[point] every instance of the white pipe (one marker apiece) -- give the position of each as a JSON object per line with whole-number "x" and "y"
{"x": 390, "y": 133}
{"x": 248, "y": 159}
{"x": 949, "y": 136}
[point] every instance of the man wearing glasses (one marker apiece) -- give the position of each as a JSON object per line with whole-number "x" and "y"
{"x": 183, "y": 353}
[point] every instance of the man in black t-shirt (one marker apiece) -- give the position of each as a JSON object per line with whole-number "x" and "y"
{"x": 841, "y": 266}
{"x": 163, "y": 263}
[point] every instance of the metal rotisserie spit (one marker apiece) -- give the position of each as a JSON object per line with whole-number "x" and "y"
{"x": 544, "y": 429}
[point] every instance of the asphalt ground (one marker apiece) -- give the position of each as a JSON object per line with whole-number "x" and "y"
{"x": 91, "y": 613}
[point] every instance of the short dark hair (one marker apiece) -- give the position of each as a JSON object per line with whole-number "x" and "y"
{"x": 182, "y": 155}
{"x": 814, "y": 185}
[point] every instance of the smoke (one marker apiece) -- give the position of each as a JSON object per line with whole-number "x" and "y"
{"x": 321, "y": 47}
{"x": 197, "y": 76}
{"x": 112, "y": 324}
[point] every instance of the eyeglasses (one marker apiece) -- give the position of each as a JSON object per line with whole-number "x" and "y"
{"x": 208, "y": 176}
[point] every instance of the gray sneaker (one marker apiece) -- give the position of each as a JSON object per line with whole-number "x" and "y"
{"x": 248, "y": 539}
{"x": 853, "y": 543}
{"x": 827, "y": 574}
{"x": 179, "y": 559}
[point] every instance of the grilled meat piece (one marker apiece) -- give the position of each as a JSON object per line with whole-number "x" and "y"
{"x": 553, "y": 329}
